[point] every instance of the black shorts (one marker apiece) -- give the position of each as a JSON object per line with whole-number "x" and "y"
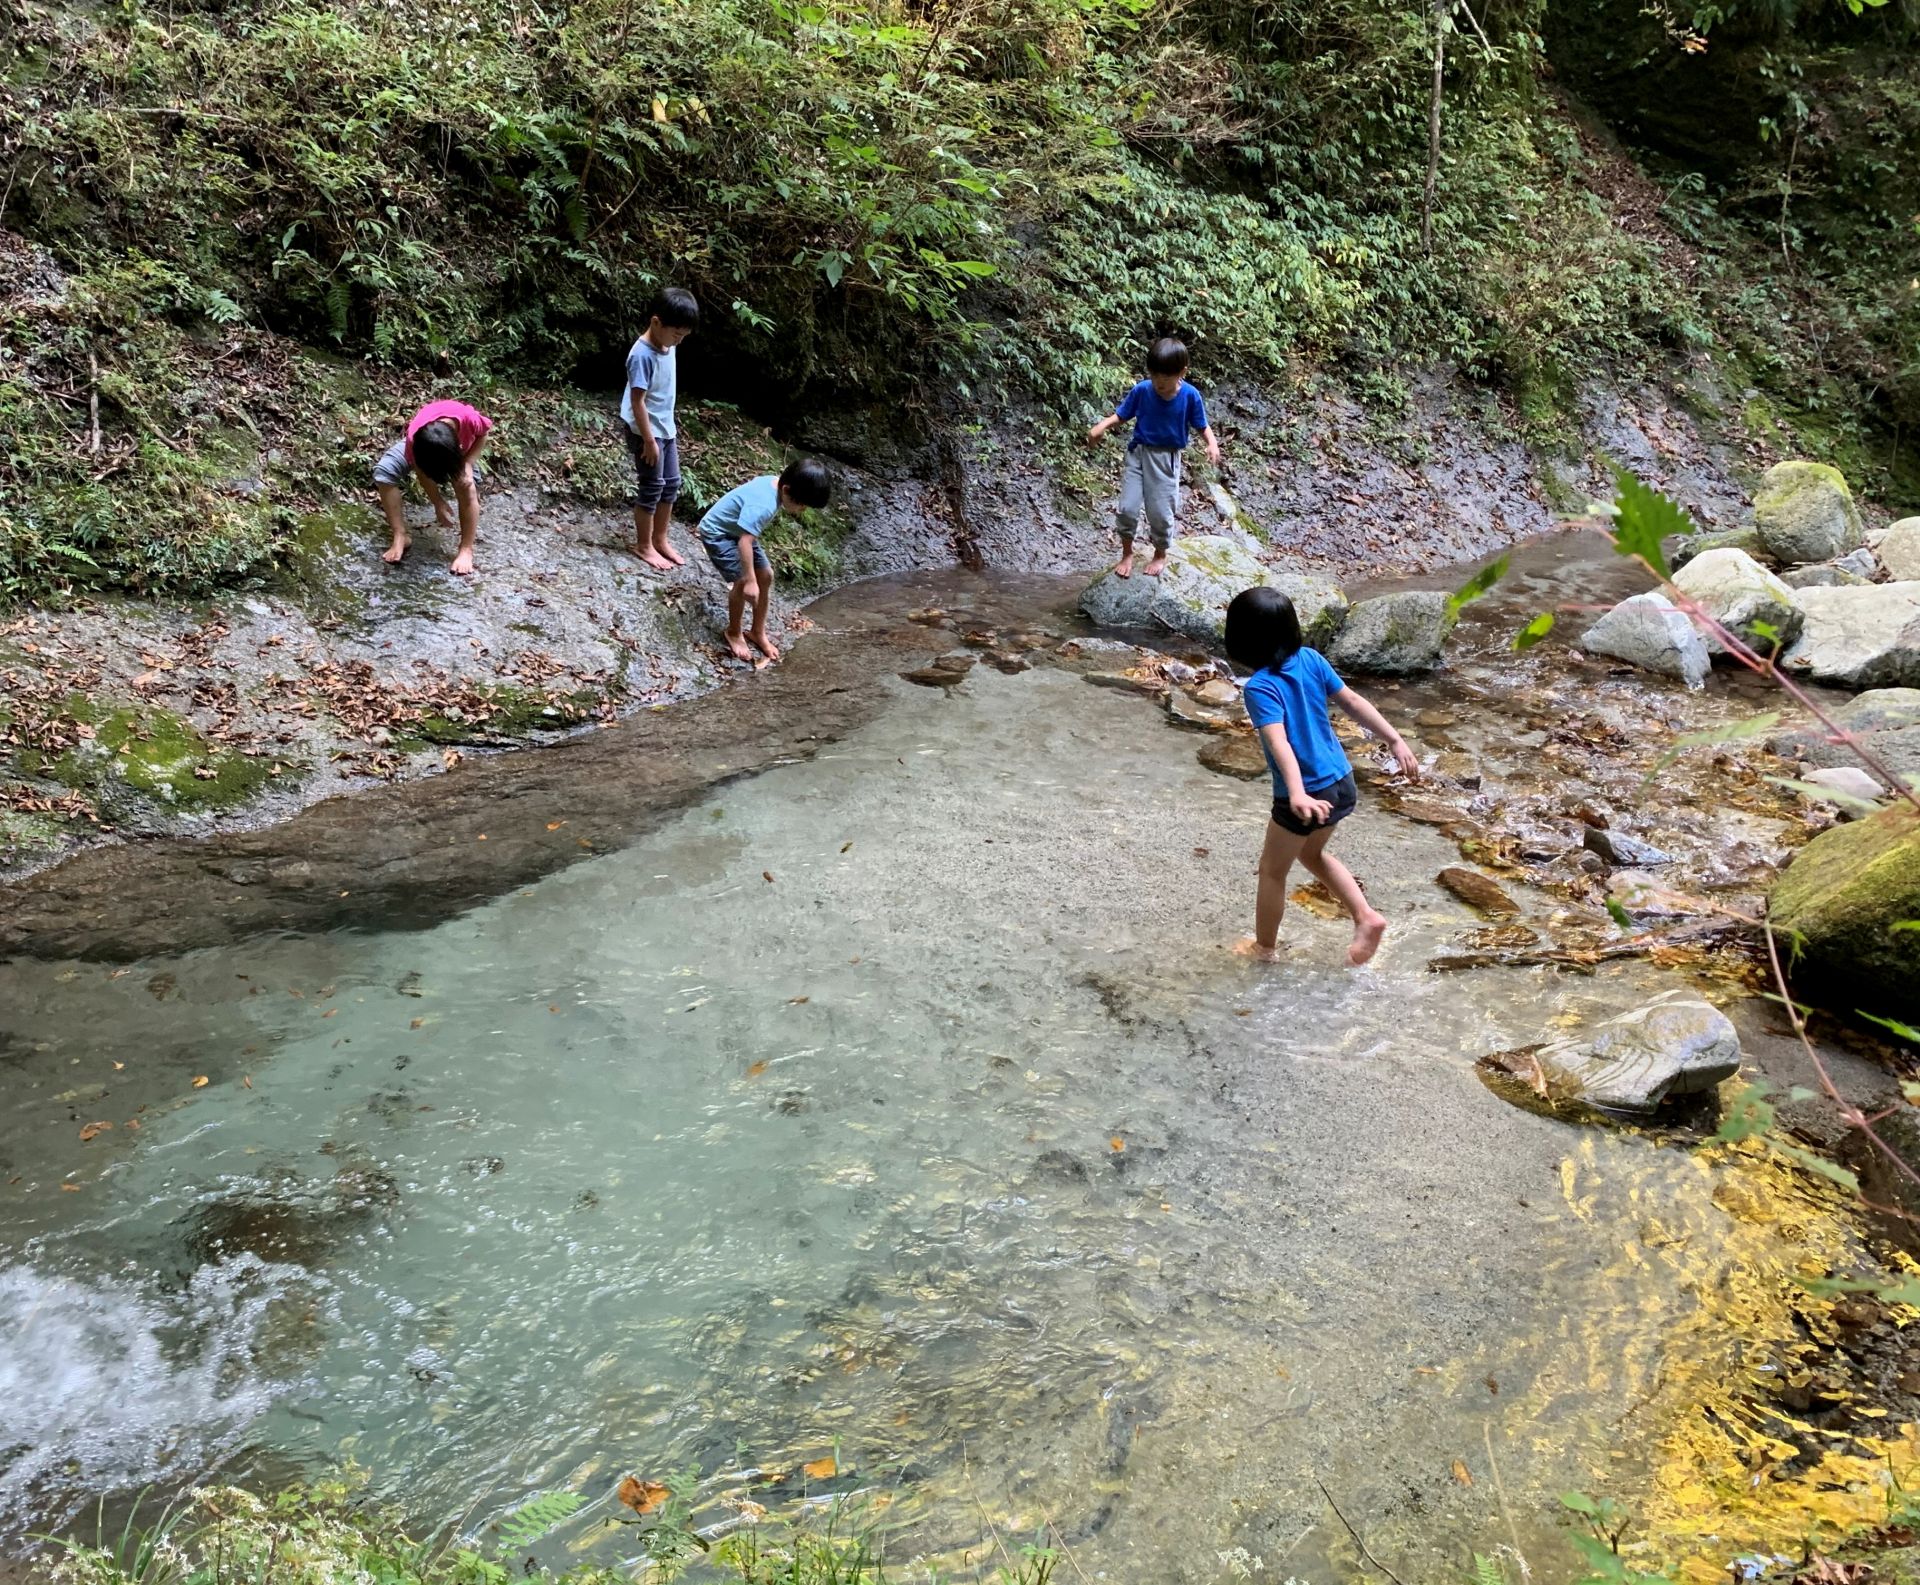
{"x": 1343, "y": 795}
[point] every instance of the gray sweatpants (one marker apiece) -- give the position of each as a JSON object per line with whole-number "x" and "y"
{"x": 1150, "y": 484}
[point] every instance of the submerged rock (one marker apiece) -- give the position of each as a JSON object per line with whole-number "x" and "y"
{"x": 1675, "y": 1046}
{"x": 1478, "y": 891}
{"x": 1616, "y": 847}
{"x": 1899, "y": 549}
{"x": 1394, "y": 633}
{"x": 1886, "y": 721}
{"x": 1650, "y": 632}
{"x": 1805, "y": 512}
{"x": 1236, "y": 754}
{"x": 1743, "y": 597}
{"x": 1860, "y": 637}
{"x": 1841, "y": 898}
{"x": 1203, "y": 572}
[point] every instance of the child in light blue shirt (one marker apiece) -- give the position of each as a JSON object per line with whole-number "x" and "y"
{"x": 1287, "y": 700}
{"x": 653, "y": 432}
{"x": 731, "y": 531}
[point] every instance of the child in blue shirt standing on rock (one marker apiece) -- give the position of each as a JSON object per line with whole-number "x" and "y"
{"x": 1287, "y": 700}
{"x": 652, "y": 431}
{"x": 730, "y": 534}
{"x": 1164, "y": 411}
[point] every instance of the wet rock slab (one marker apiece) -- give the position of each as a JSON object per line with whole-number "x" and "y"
{"x": 1675, "y": 1046}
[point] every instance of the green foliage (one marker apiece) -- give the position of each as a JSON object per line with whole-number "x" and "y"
{"x": 1736, "y": 731}
{"x": 1643, "y": 521}
{"x": 1603, "y": 1525}
{"x": 1534, "y": 631}
{"x": 538, "y": 1517}
{"x": 1481, "y": 583}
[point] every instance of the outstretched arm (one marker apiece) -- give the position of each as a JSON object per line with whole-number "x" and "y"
{"x": 1363, "y": 712}
{"x": 1101, "y": 430}
{"x": 1213, "y": 444}
{"x": 1312, "y": 810}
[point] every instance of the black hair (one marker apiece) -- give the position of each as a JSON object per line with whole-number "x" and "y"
{"x": 436, "y": 450}
{"x": 1167, "y": 356}
{"x": 1263, "y": 629}
{"x": 807, "y": 481}
{"x": 676, "y": 308}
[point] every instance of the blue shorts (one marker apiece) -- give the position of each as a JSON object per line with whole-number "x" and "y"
{"x": 725, "y": 556}
{"x": 660, "y": 482}
{"x": 1343, "y": 795}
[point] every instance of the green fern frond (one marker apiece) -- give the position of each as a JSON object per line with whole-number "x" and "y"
{"x": 537, "y": 1517}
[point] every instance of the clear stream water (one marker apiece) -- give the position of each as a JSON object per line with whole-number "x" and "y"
{"x": 903, "y": 1106}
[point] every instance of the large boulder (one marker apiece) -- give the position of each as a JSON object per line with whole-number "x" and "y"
{"x": 1865, "y": 637}
{"x": 1319, "y": 601}
{"x": 1394, "y": 633}
{"x": 1899, "y": 549}
{"x": 1743, "y": 597}
{"x": 1683, "y": 548}
{"x": 1203, "y": 572}
{"x": 1885, "y": 720}
{"x": 1805, "y": 512}
{"x": 1841, "y": 899}
{"x": 1651, "y": 632}
{"x": 1676, "y": 1045}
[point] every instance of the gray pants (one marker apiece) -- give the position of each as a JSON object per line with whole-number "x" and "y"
{"x": 1151, "y": 484}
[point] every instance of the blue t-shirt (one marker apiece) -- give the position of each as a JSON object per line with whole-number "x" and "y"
{"x": 745, "y": 510}
{"x": 656, "y": 371}
{"x": 1161, "y": 423}
{"x": 1296, "y": 695}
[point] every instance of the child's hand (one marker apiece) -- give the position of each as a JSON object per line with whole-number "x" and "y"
{"x": 443, "y": 515}
{"x": 1213, "y": 452}
{"x": 1312, "y": 811}
{"x": 1403, "y": 758}
{"x": 1094, "y": 434}
{"x": 650, "y": 451}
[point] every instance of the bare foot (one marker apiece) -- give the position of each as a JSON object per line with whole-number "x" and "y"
{"x": 1123, "y": 568}
{"x": 653, "y": 558}
{"x": 673, "y": 557}
{"x": 1247, "y": 947}
{"x": 462, "y": 564}
{"x": 1158, "y": 565}
{"x": 765, "y": 645}
{"x": 738, "y": 646}
{"x": 1366, "y": 939}
{"x": 397, "y": 551}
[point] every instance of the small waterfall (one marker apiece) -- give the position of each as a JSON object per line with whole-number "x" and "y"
{"x": 106, "y": 1388}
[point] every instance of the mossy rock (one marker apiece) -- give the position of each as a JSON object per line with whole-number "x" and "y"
{"x": 1805, "y": 512}
{"x": 154, "y": 753}
{"x": 29, "y": 836}
{"x": 1842, "y": 898}
{"x": 511, "y": 713}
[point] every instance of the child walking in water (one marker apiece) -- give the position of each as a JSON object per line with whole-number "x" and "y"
{"x": 1287, "y": 700}
{"x": 1163, "y": 410}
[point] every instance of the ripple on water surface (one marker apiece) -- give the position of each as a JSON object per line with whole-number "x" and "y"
{"x": 902, "y": 1103}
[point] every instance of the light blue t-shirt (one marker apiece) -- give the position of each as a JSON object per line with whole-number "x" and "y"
{"x": 657, "y": 372}
{"x": 745, "y": 510}
{"x": 1296, "y": 694}
{"x": 1163, "y": 425}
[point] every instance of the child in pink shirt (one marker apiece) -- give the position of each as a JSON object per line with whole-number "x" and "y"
{"x": 440, "y": 445}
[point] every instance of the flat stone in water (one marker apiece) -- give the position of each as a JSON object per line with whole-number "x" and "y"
{"x": 1234, "y": 754}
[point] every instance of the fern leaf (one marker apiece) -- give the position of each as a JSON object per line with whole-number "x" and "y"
{"x": 537, "y": 1517}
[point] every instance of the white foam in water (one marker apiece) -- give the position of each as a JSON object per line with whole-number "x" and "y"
{"x": 103, "y": 1388}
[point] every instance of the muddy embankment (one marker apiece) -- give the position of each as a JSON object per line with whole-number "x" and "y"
{"x": 128, "y": 720}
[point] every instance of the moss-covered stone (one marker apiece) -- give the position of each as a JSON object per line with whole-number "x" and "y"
{"x": 509, "y": 712}
{"x": 1805, "y": 512}
{"x": 154, "y": 753}
{"x": 1841, "y": 899}
{"x": 28, "y": 836}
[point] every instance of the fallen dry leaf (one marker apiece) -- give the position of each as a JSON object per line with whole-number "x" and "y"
{"x": 555, "y": 825}
{"x": 642, "y": 1496}
{"x": 757, "y": 1069}
{"x": 70, "y": 1188}
{"x": 93, "y": 1131}
{"x": 553, "y": 1007}
{"x": 846, "y": 847}
{"x": 118, "y": 1066}
{"x": 1461, "y": 1473}
{"x": 246, "y": 1079}
{"x": 201, "y": 1082}
{"x": 798, "y": 1001}
{"x": 821, "y": 1468}
{"x": 1117, "y": 1143}
{"x": 416, "y": 1023}
{"x": 767, "y": 876}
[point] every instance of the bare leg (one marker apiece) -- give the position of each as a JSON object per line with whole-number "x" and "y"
{"x": 643, "y": 518}
{"x": 1270, "y": 902}
{"x": 757, "y": 635}
{"x": 1123, "y": 568}
{"x": 662, "y": 545}
{"x": 736, "y": 609}
{"x": 394, "y": 506}
{"x": 1368, "y": 923}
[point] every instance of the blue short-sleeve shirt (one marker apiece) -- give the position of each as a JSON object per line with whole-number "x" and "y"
{"x": 1162, "y": 424}
{"x": 745, "y": 510}
{"x": 1295, "y": 694}
{"x": 656, "y": 371}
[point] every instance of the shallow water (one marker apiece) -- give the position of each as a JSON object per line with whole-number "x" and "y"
{"x": 902, "y": 1106}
